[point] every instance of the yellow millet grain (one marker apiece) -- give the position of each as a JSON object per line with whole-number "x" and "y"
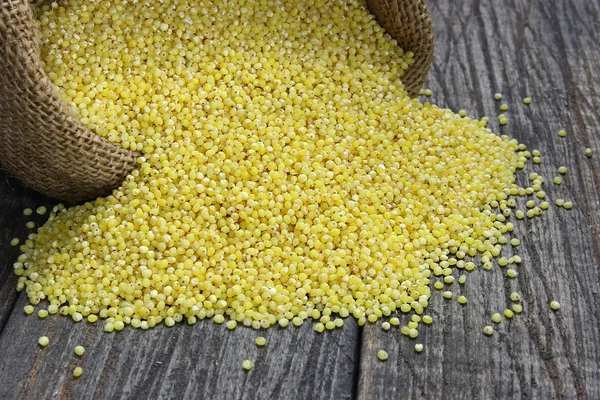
{"x": 149, "y": 74}
{"x": 286, "y": 174}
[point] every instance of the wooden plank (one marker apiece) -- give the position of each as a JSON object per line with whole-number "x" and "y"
{"x": 482, "y": 48}
{"x": 549, "y": 51}
{"x": 182, "y": 362}
{"x": 13, "y": 199}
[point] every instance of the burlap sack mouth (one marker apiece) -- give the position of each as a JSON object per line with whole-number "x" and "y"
{"x": 50, "y": 150}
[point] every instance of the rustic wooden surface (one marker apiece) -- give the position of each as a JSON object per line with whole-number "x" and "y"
{"x": 546, "y": 50}
{"x": 549, "y": 51}
{"x": 182, "y": 362}
{"x": 13, "y": 199}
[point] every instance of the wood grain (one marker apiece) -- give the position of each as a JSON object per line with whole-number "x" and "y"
{"x": 182, "y": 362}
{"x": 13, "y": 199}
{"x": 548, "y": 51}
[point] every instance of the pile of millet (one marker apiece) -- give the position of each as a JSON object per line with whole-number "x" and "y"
{"x": 285, "y": 174}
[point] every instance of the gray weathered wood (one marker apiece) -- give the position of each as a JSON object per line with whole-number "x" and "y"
{"x": 548, "y": 51}
{"x": 13, "y": 199}
{"x": 183, "y": 362}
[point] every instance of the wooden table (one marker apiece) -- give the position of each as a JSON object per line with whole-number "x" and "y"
{"x": 548, "y": 50}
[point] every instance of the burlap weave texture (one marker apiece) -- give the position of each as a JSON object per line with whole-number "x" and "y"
{"x": 50, "y": 150}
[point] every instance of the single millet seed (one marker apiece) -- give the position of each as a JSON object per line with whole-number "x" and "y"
{"x": 517, "y": 308}
{"x": 79, "y": 350}
{"x": 231, "y": 324}
{"x": 382, "y": 355}
{"x": 247, "y": 365}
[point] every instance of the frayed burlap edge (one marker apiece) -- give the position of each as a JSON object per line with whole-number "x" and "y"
{"x": 409, "y": 22}
{"x": 50, "y": 150}
{"x": 41, "y": 143}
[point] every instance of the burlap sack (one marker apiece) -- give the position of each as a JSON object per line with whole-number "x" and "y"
{"x": 47, "y": 148}
{"x": 408, "y": 22}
